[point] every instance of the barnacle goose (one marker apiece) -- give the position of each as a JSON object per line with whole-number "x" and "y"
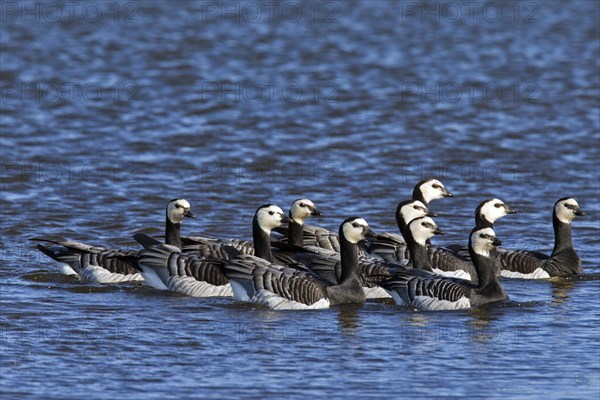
{"x": 278, "y": 287}
{"x": 102, "y": 265}
{"x": 423, "y": 290}
{"x": 165, "y": 267}
{"x": 425, "y": 191}
{"x": 208, "y": 247}
{"x": 563, "y": 260}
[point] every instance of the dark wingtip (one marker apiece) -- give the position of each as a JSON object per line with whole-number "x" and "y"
{"x": 145, "y": 240}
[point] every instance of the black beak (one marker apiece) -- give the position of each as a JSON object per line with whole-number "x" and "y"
{"x": 438, "y": 231}
{"x": 368, "y": 232}
{"x": 431, "y": 214}
{"x": 283, "y": 219}
{"x": 497, "y": 242}
{"x": 579, "y": 212}
{"x": 510, "y": 210}
{"x": 315, "y": 212}
{"x": 189, "y": 214}
{"x": 446, "y": 193}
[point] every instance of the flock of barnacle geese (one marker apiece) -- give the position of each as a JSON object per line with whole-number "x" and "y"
{"x": 289, "y": 265}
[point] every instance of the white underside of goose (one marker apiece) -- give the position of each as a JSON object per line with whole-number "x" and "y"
{"x": 66, "y": 269}
{"x": 376, "y": 293}
{"x": 459, "y": 273}
{"x": 431, "y": 303}
{"x": 152, "y": 279}
{"x": 94, "y": 273}
{"x": 276, "y": 302}
{"x": 539, "y": 273}
{"x": 192, "y": 287}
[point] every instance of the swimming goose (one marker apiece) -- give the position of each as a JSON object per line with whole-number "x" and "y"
{"x": 102, "y": 265}
{"x": 425, "y": 291}
{"x": 208, "y": 247}
{"x": 278, "y": 287}
{"x": 165, "y": 267}
{"x": 563, "y": 260}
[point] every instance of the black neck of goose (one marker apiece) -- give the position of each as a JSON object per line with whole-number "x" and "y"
{"x": 401, "y": 224}
{"x": 349, "y": 258}
{"x": 481, "y": 222}
{"x": 418, "y": 195}
{"x": 295, "y": 233}
{"x": 262, "y": 242}
{"x": 486, "y": 275}
{"x": 418, "y": 253}
{"x": 173, "y": 234}
{"x": 562, "y": 235}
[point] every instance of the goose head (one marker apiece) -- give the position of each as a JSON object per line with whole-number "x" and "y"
{"x": 423, "y": 228}
{"x": 355, "y": 229}
{"x": 177, "y": 209}
{"x": 302, "y": 209}
{"x": 566, "y": 209}
{"x": 269, "y": 216}
{"x": 492, "y": 209}
{"x": 483, "y": 240}
{"x": 430, "y": 189}
{"x": 411, "y": 209}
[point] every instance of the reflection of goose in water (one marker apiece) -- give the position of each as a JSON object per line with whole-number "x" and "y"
{"x": 560, "y": 291}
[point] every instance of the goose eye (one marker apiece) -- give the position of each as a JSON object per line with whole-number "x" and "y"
{"x": 178, "y": 206}
{"x": 302, "y": 205}
{"x": 271, "y": 212}
{"x": 497, "y": 205}
{"x": 355, "y": 225}
{"x": 415, "y": 207}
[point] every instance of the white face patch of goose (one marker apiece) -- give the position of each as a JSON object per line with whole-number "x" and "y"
{"x": 482, "y": 241}
{"x": 422, "y": 229}
{"x": 493, "y": 209}
{"x": 432, "y": 190}
{"x": 565, "y": 210}
{"x": 176, "y": 209}
{"x": 412, "y": 210}
{"x": 353, "y": 230}
{"x": 269, "y": 218}
{"x": 301, "y": 209}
